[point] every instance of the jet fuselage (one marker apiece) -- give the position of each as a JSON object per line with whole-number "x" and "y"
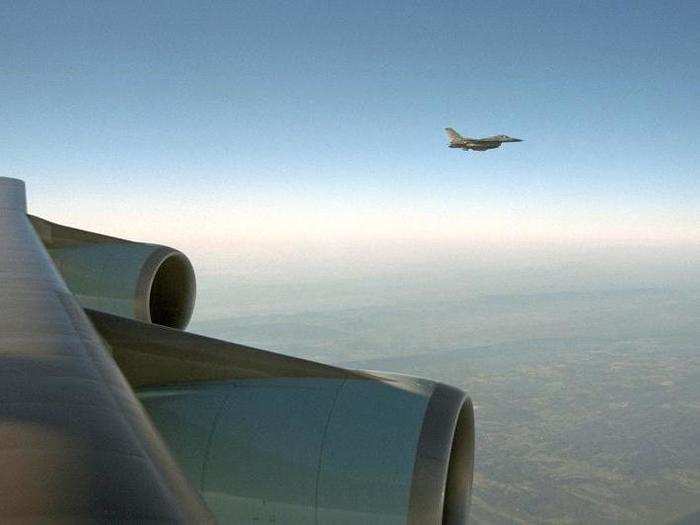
{"x": 466, "y": 143}
{"x": 477, "y": 146}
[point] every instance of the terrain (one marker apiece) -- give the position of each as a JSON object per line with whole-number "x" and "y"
{"x": 587, "y": 403}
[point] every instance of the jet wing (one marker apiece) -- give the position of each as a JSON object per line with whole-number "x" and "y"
{"x": 76, "y": 445}
{"x": 109, "y": 412}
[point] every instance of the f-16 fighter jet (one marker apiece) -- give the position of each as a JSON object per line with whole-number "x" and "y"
{"x": 465, "y": 143}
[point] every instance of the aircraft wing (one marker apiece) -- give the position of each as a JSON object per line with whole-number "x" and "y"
{"x": 109, "y": 412}
{"x": 76, "y": 443}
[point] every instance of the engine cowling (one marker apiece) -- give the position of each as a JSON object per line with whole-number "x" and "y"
{"x": 145, "y": 282}
{"x": 321, "y": 450}
{"x": 270, "y": 438}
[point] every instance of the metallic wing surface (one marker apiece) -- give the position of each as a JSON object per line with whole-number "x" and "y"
{"x": 76, "y": 444}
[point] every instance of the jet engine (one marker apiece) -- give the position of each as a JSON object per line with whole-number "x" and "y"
{"x": 146, "y": 282}
{"x": 268, "y": 438}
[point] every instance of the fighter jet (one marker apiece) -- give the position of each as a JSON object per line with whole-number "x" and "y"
{"x": 465, "y": 143}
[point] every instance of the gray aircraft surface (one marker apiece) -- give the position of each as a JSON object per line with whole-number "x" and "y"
{"x": 111, "y": 413}
{"x": 466, "y": 143}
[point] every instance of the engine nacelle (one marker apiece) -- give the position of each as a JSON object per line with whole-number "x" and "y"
{"x": 146, "y": 282}
{"x": 383, "y": 450}
{"x": 269, "y": 438}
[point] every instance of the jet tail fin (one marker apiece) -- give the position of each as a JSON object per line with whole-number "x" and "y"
{"x": 453, "y": 135}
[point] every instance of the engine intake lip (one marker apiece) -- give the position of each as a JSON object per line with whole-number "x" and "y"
{"x": 445, "y": 458}
{"x": 166, "y": 289}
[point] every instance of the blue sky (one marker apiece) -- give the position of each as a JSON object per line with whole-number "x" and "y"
{"x": 326, "y": 118}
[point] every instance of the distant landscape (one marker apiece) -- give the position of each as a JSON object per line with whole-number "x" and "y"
{"x": 587, "y": 402}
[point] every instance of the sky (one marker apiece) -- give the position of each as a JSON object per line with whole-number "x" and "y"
{"x": 257, "y": 128}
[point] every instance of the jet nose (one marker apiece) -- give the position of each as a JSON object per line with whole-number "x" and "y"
{"x": 515, "y": 140}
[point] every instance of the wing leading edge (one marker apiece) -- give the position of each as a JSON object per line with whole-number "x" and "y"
{"x": 76, "y": 444}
